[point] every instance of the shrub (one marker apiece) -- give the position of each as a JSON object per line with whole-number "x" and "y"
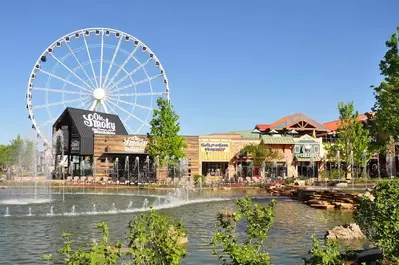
{"x": 197, "y": 178}
{"x": 327, "y": 255}
{"x": 258, "y": 220}
{"x": 378, "y": 218}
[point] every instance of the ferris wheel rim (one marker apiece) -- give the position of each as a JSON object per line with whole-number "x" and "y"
{"x": 83, "y": 31}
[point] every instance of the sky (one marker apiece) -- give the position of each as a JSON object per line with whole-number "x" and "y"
{"x": 230, "y": 64}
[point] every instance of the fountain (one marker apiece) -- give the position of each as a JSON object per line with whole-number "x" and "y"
{"x": 239, "y": 171}
{"x": 378, "y": 165}
{"x": 130, "y": 205}
{"x": 127, "y": 169}
{"x": 145, "y": 204}
{"x": 30, "y": 211}
{"x": 389, "y": 164}
{"x": 156, "y": 166}
{"x": 338, "y": 165}
{"x": 94, "y": 208}
{"x": 73, "y": 209}
{"x": 116, "y": 167}
{"x": 137, "y": 165}
{"x": 7, "y": 213}
{"x": 147, "y": 161}
{"x": 352, "y": 163}
{"x": 51, "y": 213}
{"x": 113, "y": 209}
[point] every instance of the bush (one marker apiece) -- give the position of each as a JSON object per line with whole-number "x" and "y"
{"x": 333, "y": 174}
{"x": 288, "y": 181}
{"x": 327, "y": 255}
{"x": 197, "y": 178}
{"x": 258, "y": 220}
{"x": 378, "y": 218}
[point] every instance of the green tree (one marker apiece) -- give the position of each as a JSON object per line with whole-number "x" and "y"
{"x": 164, "y": 139}
{"x": 258, "y": 220}
{"x": 386, "y": 106}
{"x": 5, "y": 156}
{"x": 353, "y": 136}
{"x": 261, "y": 153}
{"x": 156, "y": 239}
{"x": 152, "y": 239}
{"x": 327, "y": 255}
{"x": 16, "y": 150}
{"x": 378, "y": 218}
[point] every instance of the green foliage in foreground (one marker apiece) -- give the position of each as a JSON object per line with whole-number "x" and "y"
{"x": 258, "y": 221}
{"x": 379, "y": 218}
{"x": 153, "y": 239}
{"x": 327, "y": 255}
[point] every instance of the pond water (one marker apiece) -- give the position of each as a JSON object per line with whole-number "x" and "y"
{"x": 26, "y": 234}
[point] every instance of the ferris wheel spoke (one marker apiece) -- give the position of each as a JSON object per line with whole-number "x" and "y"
{"x": 148, "y": 79}
{"x": 81, "y": 67}
{"x": 104, "y": 106}
{"x": 129, "y": 74}
{"x": 46, "y": 123}
{"x": 64, "y": 80}
{"x": 127, "y": 112}
{"x": 83, "y": 104}
{"x": 113, "y": 60}
{"x": 123, "y": 121}
{"x": 140, "y": 94}
{"x": 91, "y": 62}
{"x": 131, "y": 104}
{"x": 121, "y": 67}
{"x": 101, "y": 57}
{"x": 72, "y": 72}
{"x": 60, "y": 91}
{"x": 58, "y": 103}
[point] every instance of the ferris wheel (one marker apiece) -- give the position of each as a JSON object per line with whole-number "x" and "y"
{"x": 98, "y": 69}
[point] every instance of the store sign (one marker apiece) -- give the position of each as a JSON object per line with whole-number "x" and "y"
{"x": 134, "y": 144}
{"x": 215, "y": 147}
{"x": 75, "y": 145}
{"x": 99, "y": 124}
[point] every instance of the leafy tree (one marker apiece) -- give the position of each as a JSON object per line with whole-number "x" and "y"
{"x": 353, "y": 136}
{"x": 261, "y": 153}
{"x": 386, "y": 106}
{"x": 101, "y": 253}
{"x": 164, "y": 139}
{"x": 155, "y": 239}
{"x": 5, "y": 156}
{"x": 258, "y": 220}
{"x": 327, "y": 255}
{"x": 16, "y": 146}
{"x": 378, "y": 218}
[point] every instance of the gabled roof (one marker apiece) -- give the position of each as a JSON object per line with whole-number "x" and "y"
{"x": 297, "y": 121}
{"x": 333, "y": 125}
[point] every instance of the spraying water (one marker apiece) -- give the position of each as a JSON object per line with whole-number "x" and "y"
{"x": 7, "y": 213}
{"x": 94, "y": 208}
{"x": 113, "y": 209}
{"x": 51, "y": 211}
{"x": 130, "y": 205}
{"x": 127, "y": 169}
{"x": 137, "y": 165}
{"x": 30, "y": 211}
{"x": 338, "y": 165}
{"x": 73, "y": 209}
{"x": 145, "y": 204}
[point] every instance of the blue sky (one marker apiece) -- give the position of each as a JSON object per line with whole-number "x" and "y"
{"x": 230, "y": 64}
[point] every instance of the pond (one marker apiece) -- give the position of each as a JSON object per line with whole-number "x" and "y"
{"x": 32, "y": 230}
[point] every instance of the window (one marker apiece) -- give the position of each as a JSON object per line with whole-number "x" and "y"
{"x": 316, "y": 149}
{"x": 297, "y": 149}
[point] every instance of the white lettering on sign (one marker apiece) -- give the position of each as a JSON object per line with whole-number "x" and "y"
{"x": 99, "y": 124}
{"x": 215, "y": 147}
{"x": 75, "y": 145}
{"x": 134, "y": 144}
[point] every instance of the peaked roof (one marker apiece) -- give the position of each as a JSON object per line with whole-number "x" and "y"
{"x": 333, "y": 125}
{"x": 85, "y": 122}
{"x": 290, "y": 122}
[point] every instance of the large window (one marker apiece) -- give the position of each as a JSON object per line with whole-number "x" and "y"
{"x": 214, "y": 168}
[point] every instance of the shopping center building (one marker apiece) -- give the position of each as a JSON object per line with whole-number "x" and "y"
{"x": 97, "y": 144}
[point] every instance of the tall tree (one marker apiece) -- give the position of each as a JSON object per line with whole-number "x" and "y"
{"x": 16, "y": 150}
{"x": 386, "y": 106}
{"x": 164, "y": 139}
{"x": 353, "y": 136}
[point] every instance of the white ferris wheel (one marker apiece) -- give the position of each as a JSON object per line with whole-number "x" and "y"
{"x": 98, "y": 69}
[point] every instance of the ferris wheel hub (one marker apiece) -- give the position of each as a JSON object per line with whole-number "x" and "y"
{"x": 99, "y": 93}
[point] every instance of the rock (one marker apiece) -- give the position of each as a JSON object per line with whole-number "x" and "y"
{"x": 345, "y": 206}
{"x": 323, "y": 206}
{"x": 300, "y": 182}
{"x": 226, "y": 214}
{"x": 368, "y": 195}
{"x": 345, "y": 232}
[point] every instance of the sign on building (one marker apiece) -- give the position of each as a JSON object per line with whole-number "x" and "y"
{"x": 134, "y": 144}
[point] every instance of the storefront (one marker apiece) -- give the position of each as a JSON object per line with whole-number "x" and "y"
{"x": 308, "y": 152}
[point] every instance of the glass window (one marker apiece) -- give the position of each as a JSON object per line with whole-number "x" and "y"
{"x": 316, "y": 149}
{"x": 297, "y": 149}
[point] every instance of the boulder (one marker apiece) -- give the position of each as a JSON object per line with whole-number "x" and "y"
{"x": 342, "y": 185}
{"x": 345, "y": 232}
